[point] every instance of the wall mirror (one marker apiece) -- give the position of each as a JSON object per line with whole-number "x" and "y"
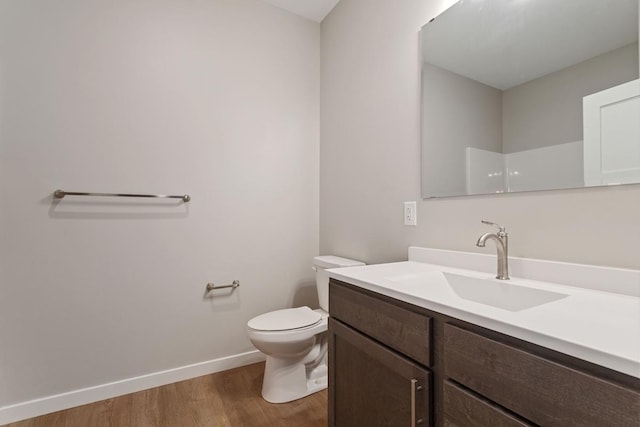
{"x": 523, "y": 95}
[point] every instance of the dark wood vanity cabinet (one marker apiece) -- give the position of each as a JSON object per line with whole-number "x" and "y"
{"x": 378, "y": 362}
{"x": 395, "y": 364}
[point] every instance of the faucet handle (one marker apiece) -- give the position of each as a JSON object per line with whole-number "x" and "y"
{"x": 502, "y": 230}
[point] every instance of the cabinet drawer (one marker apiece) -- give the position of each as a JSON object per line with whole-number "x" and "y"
{"x": 540, "y": 390}
{"x": 406, "y": 331}
{"x": 463, "y": 408}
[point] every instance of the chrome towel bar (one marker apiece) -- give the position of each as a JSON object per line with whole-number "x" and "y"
{"x": 212, "y": 287}
{"x": 59, "y": 194}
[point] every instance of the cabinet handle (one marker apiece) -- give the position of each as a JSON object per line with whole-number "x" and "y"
{"x": 414, "y": 387}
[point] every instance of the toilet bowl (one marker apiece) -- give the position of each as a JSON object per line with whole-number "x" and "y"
{"x": 294, "y": 341}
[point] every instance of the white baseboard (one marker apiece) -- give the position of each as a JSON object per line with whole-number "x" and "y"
{"x": 58, "y": 402}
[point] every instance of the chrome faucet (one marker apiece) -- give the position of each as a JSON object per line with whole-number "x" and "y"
{"x": 502, "y": 244}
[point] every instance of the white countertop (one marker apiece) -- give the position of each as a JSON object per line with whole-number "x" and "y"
{"x": 591, "y": 324}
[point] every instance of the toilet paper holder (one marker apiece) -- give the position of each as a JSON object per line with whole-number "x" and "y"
{"x": 212, "y": 287}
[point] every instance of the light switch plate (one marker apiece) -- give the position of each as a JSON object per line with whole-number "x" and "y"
{"x": 410, "y": 213}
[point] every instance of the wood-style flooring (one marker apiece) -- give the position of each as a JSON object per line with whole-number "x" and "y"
{"x": 225, "y": 399}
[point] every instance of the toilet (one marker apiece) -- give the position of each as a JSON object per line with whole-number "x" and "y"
{"x": 295, "y": 341}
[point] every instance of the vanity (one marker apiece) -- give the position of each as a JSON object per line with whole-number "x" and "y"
{"x": 428, "y": 343}
{"x": 513, "y": 99}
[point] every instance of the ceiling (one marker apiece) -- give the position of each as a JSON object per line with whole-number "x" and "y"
{"x": 508, "y": 42}
{"x": 315, "y": 10}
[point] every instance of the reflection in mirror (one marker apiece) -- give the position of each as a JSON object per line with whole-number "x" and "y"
{"x": 506, "y": 85}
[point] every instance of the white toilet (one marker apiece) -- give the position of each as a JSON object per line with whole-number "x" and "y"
{"x": 295, "y": 341}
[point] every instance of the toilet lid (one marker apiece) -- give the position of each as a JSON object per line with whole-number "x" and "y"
{"x": 282, "y": 320}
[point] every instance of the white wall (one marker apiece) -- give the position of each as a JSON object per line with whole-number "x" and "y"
{"x": 486, "y": 172}
{"x": 218, "y": 99}
{"x": 554, "y": 166}
{"x": 548, "y": 111}
{"x": 370, "y": 151}
{"x": 458, "y": 113}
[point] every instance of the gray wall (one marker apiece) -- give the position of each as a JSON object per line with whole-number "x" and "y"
{"x": 548, "y": 111}
{"x": 218, "y": 99}
{"x": 370, "y": 160}
{"x": 457, "y": 113}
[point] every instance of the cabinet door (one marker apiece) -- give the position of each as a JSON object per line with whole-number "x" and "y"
{"x": 371, "y": 385}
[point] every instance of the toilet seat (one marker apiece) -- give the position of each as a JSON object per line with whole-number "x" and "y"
{"x": 285, "y": 320}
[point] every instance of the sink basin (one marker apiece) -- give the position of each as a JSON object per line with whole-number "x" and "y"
{"x": 500, "y": 294}
{"x": 505, "y": 295}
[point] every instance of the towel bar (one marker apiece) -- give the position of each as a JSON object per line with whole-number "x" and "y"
{"x": 59, "y": 194}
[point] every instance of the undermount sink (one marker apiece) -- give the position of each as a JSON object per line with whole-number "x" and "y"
{"x": 503, "y": 294}
{"x": 500, "y": 294}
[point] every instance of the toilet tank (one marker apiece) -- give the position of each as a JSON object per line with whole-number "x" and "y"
{"x": 320, "y": 264}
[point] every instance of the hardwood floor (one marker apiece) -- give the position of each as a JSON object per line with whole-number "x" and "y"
{"x": 225, "y": 399}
